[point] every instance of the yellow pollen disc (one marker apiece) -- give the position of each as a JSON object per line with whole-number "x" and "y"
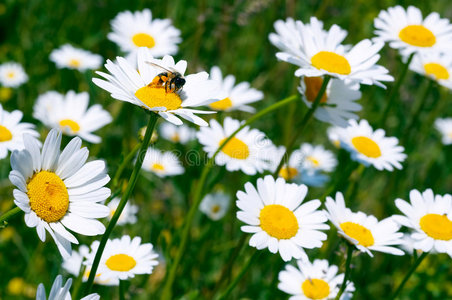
{"x": 359, "y": 233}
{"x": 436, "y": 70}
{"x": 331, "y": 62}
{"x": 437, "y": 226}
{"x": 72, "y": 125}
{"x": 313, "y": 85}
{"x": 121, "y": 262}
{"x": 417, "y": 35}
{"x": 288, "y": 173}
{"x": 143, "y": 40}
{"x": 216, "y": 208}
{"x": 235, "y": 148}
{"x": 314, "y": 161}
{"x": 10, "y": 75}
{"x": 5, "y": 93}
{"x": 222, "y": 104}
{"x": 278, "y": 221}
{"x": 5, "y": 134}
{"x": 158, "y": 167}
{"x": 48, "y": 196}
{"x": 175, "y": 137}
{"x": 75, "y": 63}
{"x": 158, "y": 97}
{"x": 366, "y": 146}
{"x": 315, "y": 288}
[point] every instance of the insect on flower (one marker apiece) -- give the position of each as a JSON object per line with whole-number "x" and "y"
{"x": 170, "y": 79}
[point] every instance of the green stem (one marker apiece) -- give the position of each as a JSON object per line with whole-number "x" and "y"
{"x": 122, "y": 290}
{"x": 356, "y": 179}
{"x": 347, "y": 270}
{"x": 153, "y": 117}
{"x": 395, "y": 90}
{"x": 122, "y": 166}
{"x": 307, "y": 117}
{"x": 78, "y": 282}
{"x": 408, "y": 275}
{"x": 9, "y": 214}
{"x": 167, "y": 288}
{"x": 239, "y": 276}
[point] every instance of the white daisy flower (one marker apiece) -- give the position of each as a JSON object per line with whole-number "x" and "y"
{"x": 333, "y": 135}
{"x": 70, "y": 57}
{"x": 60, "y": 292}
{"x": 71, "y": 114}
{"x": 12, "y": 131}
{"x": 337, "y": 105}
{"x": 234, "y": 97}
{"x": 134, "y": 30}
{"x": 437, "y": 66}
{"x": 73, "y": 265}
{"x": 124, "y": 258}
{"x": 407, "y": 31}
{"x": 215, "y": 206}
{"x": 274, "y": 213}
{"x": 371, "y": 147}
{"x": 246, "y": 151}
{"x": 363, "y": 231}
{"x": 322, "y": 54}
{"x": 430, "y": 216}
{"x": 128, "y": 215}
{"x": 12, "y": 74}
{"x": 162, "y": 163}
{"x": 317, "y": 280}
{"x": 177, "y": 134}
{"x": 137, "y": 87}
{"x": 59, "y": 190}
{"x": 317, "y": 158}
{"x": 444, "y": 126}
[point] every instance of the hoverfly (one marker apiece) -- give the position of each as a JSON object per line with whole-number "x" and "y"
{"x": 170, "y": 79}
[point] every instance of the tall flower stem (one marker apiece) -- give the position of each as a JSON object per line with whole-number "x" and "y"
{"x": 9, "y": 214}
{"x": 300, "y": 128}
{"x": 123, "y": 165}
{"x": 153, "y": 117}
{"x": 122, "y": 289}
{"x": 347, "y": 270}
{"x": 408, "y": 275}
{"x": 167, "y": 288}
{"x": 395, "y": 90}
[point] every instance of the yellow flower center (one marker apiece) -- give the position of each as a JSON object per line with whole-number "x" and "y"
{"x": 278, "y": 221}
{"x": 143, "y": 40}
{"x": 359, "y": 233}
{"x": 10, "y": 75}
{"x": 48, "y": 196}
{"x": 158, "y": 97}
{"x": 314, "y": 161}
{"x": 175, "y": 137}
{"x": 5, "y": 134}
{"x": 417, "y": 35}
{"x": 315, "y": 288}
{"x": 5, "y": 93}
{"x": 222, "y": 104}
{"x": 366, "y": 146}
{"x": 121, "y": 262}
{"x": 331, "y": 62}
{"x": 158, "y": 167}
{"x": 288, "y": 173}
{"x": 313, "y": 85}
{"x": 235, "y": 148}
{"x": 69, "y": 124}
{"x": 437, "y": 226}
{"x": 216, "y": 208}
{"x": 436, "y": 70}
{"x": 75, "y": 63}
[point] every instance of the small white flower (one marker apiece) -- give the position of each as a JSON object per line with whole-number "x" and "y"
{"x": 12, "y": 74}
{"x": 59, "y": 190}
{"x": 407, "y": 31}
{"x": 333, "y": 135}
{"x": 12, "y": 131}
{"x": 215, "y": 206}
{"x": 124, "y": 258}
{"x": 234, "y": 97}
{"x": 128, "y": 214}
{"x": 430, "y": 217}
{"x": 162, "y": 163}
{"x": 317, "y": 280}
{"x": 437, "y": 66}
{"x": 246, "y": 151}
{"x": 126, "y": 83}
{"x": 317, "y": 158}
{"x": 177, "y": 134}
{"x": 371, "y": 147}
{"x": 278, "y": 220}
{"x": 363, "y": 231}
{"x": 71, "y": 114}
{"x": 74, "y": 58}
{"x": 444, "y": 126}
{"x": 60, "y": 292}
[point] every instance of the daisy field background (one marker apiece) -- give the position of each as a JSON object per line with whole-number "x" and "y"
{"x": 233, "y": 35}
